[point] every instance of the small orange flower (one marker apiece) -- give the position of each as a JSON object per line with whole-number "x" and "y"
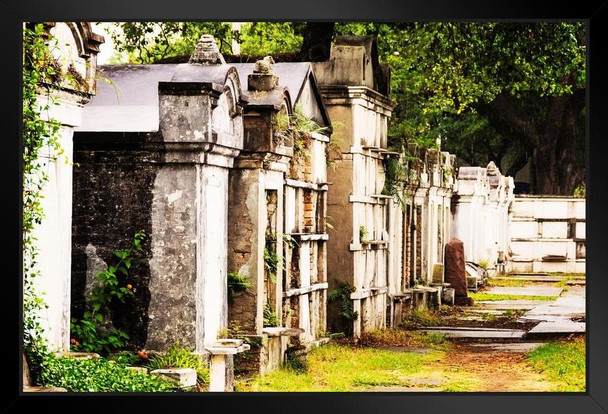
{"x": 76, "y": 343}
{"x": 129, "y": 287}
{"x": 142, "y": 354}
{"x": 72, "y": 341}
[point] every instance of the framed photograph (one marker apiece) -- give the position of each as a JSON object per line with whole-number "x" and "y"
{"x": 311, "y": 206}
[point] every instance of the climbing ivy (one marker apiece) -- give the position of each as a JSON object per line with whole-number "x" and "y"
{"x": 270, "y": 316}
{"x": 397, "y": 174}
{"x": 342, "y": 294}
{"x": 41, "y": 73}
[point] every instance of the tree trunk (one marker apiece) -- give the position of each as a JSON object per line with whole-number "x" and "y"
{"x": 316, "y": 42}
{"x": 557, "y": 143}
{"x": 559, "y": 154}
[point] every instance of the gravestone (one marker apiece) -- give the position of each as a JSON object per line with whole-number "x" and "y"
{"x": 455, "y": 273}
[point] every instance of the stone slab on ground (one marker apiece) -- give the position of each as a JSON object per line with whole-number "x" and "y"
{"x": 564, "y": 316}
{"x": 572, "y": 304}
{"x": 525, "y": 291}
{"x": 181, "y": 377}
{"x": 467, "y": 332}
{"x": 557, "y": 328}
{"x": 510, "y": 346}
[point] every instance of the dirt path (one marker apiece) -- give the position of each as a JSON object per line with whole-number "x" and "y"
{"x": 493, "y": 370}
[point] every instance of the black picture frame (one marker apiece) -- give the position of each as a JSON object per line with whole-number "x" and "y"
{"x": 595, "y": 400}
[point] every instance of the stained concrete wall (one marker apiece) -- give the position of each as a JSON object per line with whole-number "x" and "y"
{"x": 113, "y": 197}
{"x": 547, "y": 234}
{"x": 420, "y": 228}
{"x": 481, "y": 207}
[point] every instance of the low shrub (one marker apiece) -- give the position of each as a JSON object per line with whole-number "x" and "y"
{"x": 97, "y": 375}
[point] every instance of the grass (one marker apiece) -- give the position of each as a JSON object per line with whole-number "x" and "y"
{"x": 404, "y": 338}
{"x": 514, "y": 313}
{"x": 376, "y": 365}
{"x": 342, "y": 368}
{"x": 509, "y": 282}
{"x": 562, "y": 274}
{"x": 417, "y": 318}
{"x": 563, "y": 362}
{"x": 481, "y": 296}
{"x": 179, "y": 357}
{"x": 461, "y": 383}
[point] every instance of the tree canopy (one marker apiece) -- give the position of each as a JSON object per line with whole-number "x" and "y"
{"x": 512, "y": 93}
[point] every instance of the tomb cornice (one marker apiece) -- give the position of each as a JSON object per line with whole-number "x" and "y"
{"x": 344, "y": 94}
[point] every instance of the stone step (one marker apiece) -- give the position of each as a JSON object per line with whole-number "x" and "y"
{"x": 556, "y": 328}
{"x": 475, "y": 333}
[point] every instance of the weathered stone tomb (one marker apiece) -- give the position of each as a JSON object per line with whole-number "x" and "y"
{"x": 277, "y": 231}
{"x": 154, "y": 154}
{"x": 355, "y": 88}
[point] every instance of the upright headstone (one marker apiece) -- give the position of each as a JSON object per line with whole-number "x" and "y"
{"x": 455, "y": 272}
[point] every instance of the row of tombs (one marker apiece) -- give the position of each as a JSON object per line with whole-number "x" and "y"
{"x": 262, "y": 191}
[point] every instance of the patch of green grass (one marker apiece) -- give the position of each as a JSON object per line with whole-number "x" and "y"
{"x": 514, "y": 313}
{"x": 481, "y": 296}
{"x": 461, "y": 384}
{"x": 563, "y": 362}
{"x": 179, "y": 357}
{"x": 435, "y": 340}
{"x": 417, "y": 318}
{"x": 508, "y": 282}
{"x": 564, "y": 283}
{"x": 337, "y": 367}
{"x": 576, "y": 275}
{"x": 400, "y": 337}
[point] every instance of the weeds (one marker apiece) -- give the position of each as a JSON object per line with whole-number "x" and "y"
{"x": 179, "y": 357}
{"x": 563, "y": 362}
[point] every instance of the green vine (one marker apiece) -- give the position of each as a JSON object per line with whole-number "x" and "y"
{"x": 296, "y": 128}
{"x": 40, "y": 76}
{"x": 342, "y": 294}
{"x": 363, "y": 234}
{"x": 270, "y": 318}
{"x": 91, "y": 333}
{"x": 271, "y": 258}
{"x": 580, "y": 191}
{"x": 237, "y": 282}
{"x": 397, "y": 174}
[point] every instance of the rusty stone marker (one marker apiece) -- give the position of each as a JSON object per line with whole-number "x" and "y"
{"x": 455, "y": 273}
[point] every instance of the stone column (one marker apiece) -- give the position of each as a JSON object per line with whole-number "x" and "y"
{"x": 53, "y": 234}
{"x": 202, "y": 129}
